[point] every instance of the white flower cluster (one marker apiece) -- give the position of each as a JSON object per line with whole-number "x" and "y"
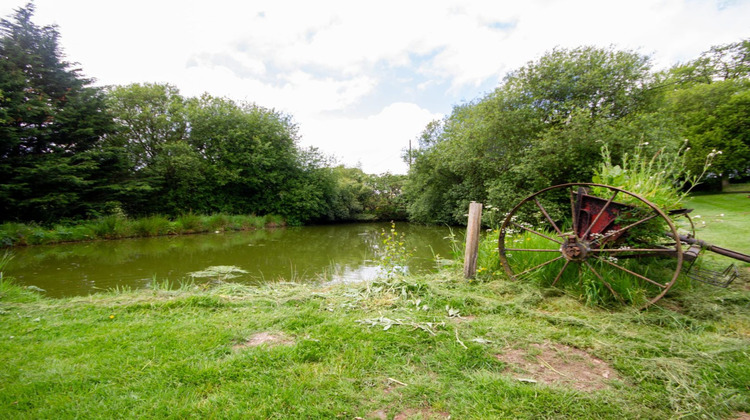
{"x": 710, "y": 157}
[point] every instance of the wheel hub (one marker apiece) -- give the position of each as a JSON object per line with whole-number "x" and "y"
{"x": 573, "y": 250}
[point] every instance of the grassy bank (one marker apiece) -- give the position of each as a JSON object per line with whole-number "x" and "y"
{"x": 115, "y": 227}
{"x": 422, "y": 347}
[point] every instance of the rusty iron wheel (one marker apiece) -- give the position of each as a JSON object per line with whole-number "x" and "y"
{"x": 589, "y": 234}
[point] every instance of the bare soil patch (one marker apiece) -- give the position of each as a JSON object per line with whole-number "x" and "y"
{"x": 423, "y": 413}
{"x": 411, "y": 413}
{"x": 558, "y": 364}
{"x": 267, "y": 338}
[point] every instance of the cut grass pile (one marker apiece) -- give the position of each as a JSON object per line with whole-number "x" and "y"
{"x": 421, "y": 347}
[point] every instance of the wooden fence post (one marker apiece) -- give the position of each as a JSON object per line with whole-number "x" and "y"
{"x": 472, "y": 239}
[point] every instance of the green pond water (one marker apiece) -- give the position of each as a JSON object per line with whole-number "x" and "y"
{"x": 343, "y": 253}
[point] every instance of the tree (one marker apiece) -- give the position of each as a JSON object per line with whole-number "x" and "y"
{"x": 714, "y": 117}
{"x": 251, "y": 152}
{"x": 50, "y": 123}
{"x": 605, "y": 82}
{"x": 709, "y": 102}
{"x": 719, "y": 63}
{"x": 149, "y": 116}
{"x": 542, "y": 126}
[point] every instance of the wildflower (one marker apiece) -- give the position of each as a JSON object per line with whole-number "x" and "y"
{"x": 721, "y": 215}
{"x": 111, "y": 317}
{"x": 697, "y": 216}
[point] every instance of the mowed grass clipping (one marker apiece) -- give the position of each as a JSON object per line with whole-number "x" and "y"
{"x": 420, "y": 347}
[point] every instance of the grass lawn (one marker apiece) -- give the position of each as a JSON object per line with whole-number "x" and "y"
{"x": 722, "y": 219}
{"x": 738, "y": 188}
{"x": 432, "y": 346}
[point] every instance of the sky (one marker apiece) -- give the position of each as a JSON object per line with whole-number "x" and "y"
{"x": 362, "y": 79}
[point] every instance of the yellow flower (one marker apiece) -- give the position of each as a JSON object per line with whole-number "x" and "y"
{"x": 111, "y": 317}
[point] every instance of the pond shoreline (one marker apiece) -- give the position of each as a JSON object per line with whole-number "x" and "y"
{"x": 14, "y": 235}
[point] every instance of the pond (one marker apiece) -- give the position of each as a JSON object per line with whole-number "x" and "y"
{"x": 339, "y": 253}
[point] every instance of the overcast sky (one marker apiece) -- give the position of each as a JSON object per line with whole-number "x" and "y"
{"x": 363, "y": 78}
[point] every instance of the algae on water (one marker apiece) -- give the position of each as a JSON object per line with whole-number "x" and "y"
{"x": 221, "y": 271}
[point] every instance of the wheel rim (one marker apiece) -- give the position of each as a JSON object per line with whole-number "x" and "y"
{"x": 595, "y": 234}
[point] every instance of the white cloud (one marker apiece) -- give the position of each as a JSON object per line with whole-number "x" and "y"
{"x": 375, "y": 142}
{"x": 338, "y": 57}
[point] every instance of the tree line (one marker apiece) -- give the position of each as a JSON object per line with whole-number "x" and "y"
{"x": 547, "y": 122}
{"x": 70, "y": 151}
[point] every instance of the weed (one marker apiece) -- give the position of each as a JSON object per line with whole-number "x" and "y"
{"x": 394, "y": 255}
{"x": 191, "y": 223}
{"x": 662, "y": 178}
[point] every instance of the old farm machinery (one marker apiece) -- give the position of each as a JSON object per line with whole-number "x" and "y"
{"x": 608, "y": 240}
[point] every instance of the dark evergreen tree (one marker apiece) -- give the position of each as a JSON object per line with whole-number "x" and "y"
{"x": 51, "y": 121}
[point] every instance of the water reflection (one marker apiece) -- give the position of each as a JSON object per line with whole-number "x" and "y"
{"x": 336, "y": 252}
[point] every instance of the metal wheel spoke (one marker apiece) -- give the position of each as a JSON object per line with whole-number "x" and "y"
{"x": 587, "y": 251}
{"x": 560, "y": 273}
{"x": 632, "y": 273}
{"x": 573, "y": 212}
{"x": 546, "y": 215}
{"x": 539, "y": 266}
{"x": 615, "y": 294}
{"x": 630, "y": 226}
{"x": 649, "y": 250}
{"x": 596, "y": 219}
{"x": 536, "y": 233}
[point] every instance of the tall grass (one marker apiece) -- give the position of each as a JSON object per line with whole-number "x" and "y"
{"x": 577, "y": 280}
{"x": 118, "y": 226}
{"x": 662, "y": 178}
{"x": 4, "y": 261}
